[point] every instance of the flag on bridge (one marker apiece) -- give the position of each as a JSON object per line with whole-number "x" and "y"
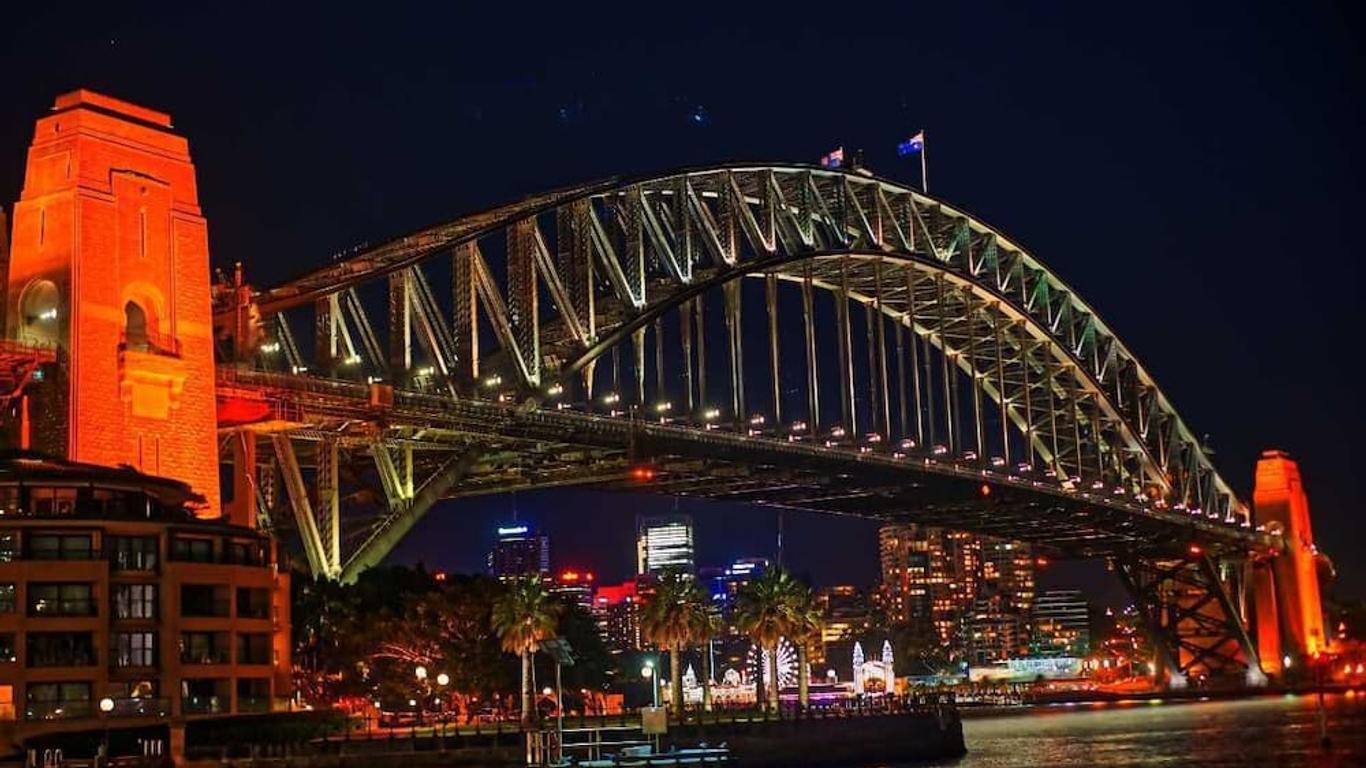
{"x": 916, "y": 146}
{"x": 912, "y": 146}
{"x": 833, "y": 160}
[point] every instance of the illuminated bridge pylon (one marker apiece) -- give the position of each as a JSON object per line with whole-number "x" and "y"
{"x": 787, "y": 336}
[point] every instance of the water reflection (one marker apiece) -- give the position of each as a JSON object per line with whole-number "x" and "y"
{"x": 1280, "y": 731}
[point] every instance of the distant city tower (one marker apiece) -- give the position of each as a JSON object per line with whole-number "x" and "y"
{"x": 109, "y": 265}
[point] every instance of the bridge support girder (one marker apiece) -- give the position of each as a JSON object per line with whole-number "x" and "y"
{"x": 1190, "y": 620}
{"x": 403, "y": 516}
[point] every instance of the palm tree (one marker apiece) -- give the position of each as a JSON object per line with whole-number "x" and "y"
{"x": 807, "y": 621}
{"x": 705, "y": 624}
{"x": 523, "y": 616}
{"x": 670, "y": 620}
{"x": 763, "y": 610}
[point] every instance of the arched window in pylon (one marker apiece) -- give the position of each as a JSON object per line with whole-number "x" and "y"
{"x": 135, "y": 326}
{"x": 39, "y": 313}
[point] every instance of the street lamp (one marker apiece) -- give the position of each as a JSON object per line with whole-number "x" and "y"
{"x": 442, "y": 680}
{"x": 421, "y": 674}
{"x": 106, "y": 706}
{"x": 648, "y": 672}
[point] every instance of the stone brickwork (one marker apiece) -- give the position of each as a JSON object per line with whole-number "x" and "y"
{"x": 109, "y": 260}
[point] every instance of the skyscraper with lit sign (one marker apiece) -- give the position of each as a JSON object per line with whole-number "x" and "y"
{"x": 519, "y": 551}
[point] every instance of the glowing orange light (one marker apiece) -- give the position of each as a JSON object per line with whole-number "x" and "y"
{"x": 439, "y": 576}
{"x": 1195, "y": 549}
{"x": 1041, "y": 561}
{"x": 643, "y": 473}
{"x": 569, "y": 576}
{"x": 985, "y": 489}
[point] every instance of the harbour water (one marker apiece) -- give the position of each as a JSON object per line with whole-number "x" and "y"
{"x": 1269, "y": 731}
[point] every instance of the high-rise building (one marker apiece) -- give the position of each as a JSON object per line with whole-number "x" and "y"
{"x": 519, "y": 551}
{"x": 724, "y": 583}
{"x": 936, "y": 575}
{"x": 617, "y": 611}
{"x": 574, "y": 587}
{"x": 994, "y": 631}
{"x": 847, "y": 614}
{"x": 1008, "y": 571}
{"x": 664, "y": 543}
{"x": 1062, "y": 624}
{"x": 928, "y": 574}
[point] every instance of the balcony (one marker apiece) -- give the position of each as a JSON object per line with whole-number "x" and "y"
{"x": 205, "y": 705}
{"x": 205, "y": 656}
{"x": 58, "y": 710}
{"x": 125, "y": 561}
{"x": 253, "y": 704}
{"x": 151, "y": 343}
{"x": 81, "y": 554}
{"x": 141, "y": 707}
{"x": 253, "y": 611}
{"x": 51, "y": 608}
{"x": 206, "y": 609}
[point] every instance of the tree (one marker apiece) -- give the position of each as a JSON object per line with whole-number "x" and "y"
{"x": 672, "y": 619}
{"x": 807, "y": 622}
{"x": 763, "y": 610}
{"x": 706, "y": 624}
{"x": 523, "y": 616}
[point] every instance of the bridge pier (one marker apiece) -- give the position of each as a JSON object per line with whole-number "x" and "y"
{"x": 1286, "y": 585}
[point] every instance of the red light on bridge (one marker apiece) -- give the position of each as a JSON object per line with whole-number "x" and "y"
{"x": 643, "y": 473}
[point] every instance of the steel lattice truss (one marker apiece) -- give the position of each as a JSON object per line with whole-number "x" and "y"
{"x": 574, "y": 341}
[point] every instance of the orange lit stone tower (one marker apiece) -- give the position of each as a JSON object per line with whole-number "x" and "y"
{"x": 109, "y": 262}
{"x": 1289, "y": 610}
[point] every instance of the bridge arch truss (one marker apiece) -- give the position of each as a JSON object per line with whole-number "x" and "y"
{"x": 969, "y": 346}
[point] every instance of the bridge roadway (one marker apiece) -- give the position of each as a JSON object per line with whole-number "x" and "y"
{"x": 564, "y": 446}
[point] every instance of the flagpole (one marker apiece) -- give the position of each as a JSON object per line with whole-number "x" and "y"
{"x": 924, "y": 173}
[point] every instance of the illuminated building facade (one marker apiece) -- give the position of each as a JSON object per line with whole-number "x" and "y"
{"x": 519, "y": 552}
{"x": 847, "y": 614}
{"x": 1008, "y": 569}
{"x": 664, "y": 543}
{"x": 724, "y": 583}
{"x": 574, "y": 587}
{"x": 994, "y": 632}
{"x": 111, "y": 587}
{"x": 955, "y": 581}
{"x": 616, "y": 608}
{"x": 1062, "y": 624}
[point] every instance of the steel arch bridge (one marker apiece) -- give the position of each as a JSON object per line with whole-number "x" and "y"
{"x": 912, "y": 363}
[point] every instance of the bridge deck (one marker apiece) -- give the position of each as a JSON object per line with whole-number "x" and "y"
{"x": 523, "y": 446}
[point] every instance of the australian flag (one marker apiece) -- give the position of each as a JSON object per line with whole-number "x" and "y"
{"x": 912, "y": 146}
{"x": 833, "y": 160}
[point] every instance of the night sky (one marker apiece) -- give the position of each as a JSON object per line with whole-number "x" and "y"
{"x": 1194, "y": 172}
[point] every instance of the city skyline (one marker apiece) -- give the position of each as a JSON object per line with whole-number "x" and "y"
{"x": 724, "y": 533}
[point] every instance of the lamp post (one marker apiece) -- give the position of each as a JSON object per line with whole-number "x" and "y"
{"x": 421, "y": 674}
{"x": 106, "y": 706}
{"x": 648, "y": 672}
{"x": 442, "y": 680}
